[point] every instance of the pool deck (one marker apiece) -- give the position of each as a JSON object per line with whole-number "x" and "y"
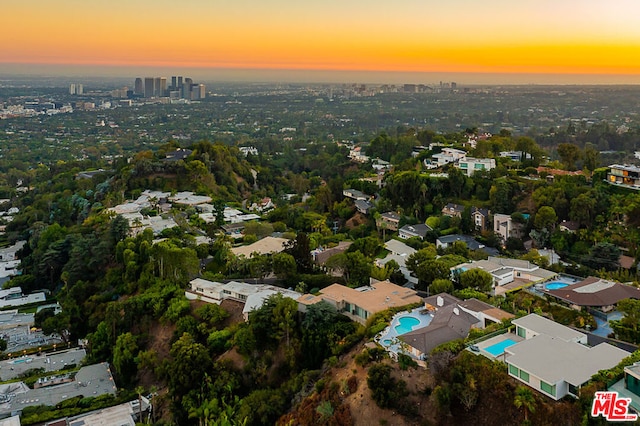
{"x": 495, "y": 340}
{"x": 390, "y": 332}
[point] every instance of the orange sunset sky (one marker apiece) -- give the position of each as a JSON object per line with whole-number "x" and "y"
{"x": 588, "y": 37}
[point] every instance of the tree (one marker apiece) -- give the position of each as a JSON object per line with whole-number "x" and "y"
{"x": 190, "y": 362}
{"x": 301, "y": 251}
{"x": 583, "y": 209}
{"x": 591, "y": 158}
{"x": 477, "y": 279}
{"x": 526, "y": 400}
{"x": 441, "y": 286}
{"x": 545, "y": 218}
{"x": 124, "y": 356}
{"x": 569, "y": 154}
{"x": 603, "y": 255}
{"x": 426, "y": 267}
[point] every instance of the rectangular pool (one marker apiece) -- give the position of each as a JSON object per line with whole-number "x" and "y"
{"x": 497, "y": 349}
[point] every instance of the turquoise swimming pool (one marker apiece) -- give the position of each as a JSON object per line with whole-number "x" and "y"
{"x": 498, "y": 348}
{"x": 406, "y": 324}
{"x": 555, "y": 285}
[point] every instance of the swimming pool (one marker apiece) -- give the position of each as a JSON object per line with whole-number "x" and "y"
{"x": 406, "y": 324}
{"x": 497, "y": 349}
{"x": 555, "y": 285}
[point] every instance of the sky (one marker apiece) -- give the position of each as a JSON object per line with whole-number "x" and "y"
{"x": 527, "y": 38}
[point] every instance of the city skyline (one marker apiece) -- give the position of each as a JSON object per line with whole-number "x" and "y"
{"x": 525, "y": 40}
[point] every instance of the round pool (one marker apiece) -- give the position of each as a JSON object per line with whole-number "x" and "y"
{"x": 555, "y": 285}
{"x": 406, "y": 324}
{"x": 387, "y": 342}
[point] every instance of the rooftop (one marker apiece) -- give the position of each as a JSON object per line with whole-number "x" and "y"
{"x": 554, "y": 359}
{"x": 264, "y": 246}
{"x": 374, "y": 298}
{"x": 595, "y": 291}
{"x": 541, "y": 325}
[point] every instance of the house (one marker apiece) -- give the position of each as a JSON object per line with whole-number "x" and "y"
{"x": 629, "y": 386}
{"x": 506, "y": 227}
{"x": 246, "y": 150}
{"x": 263, "y": 205}
{"x": 398, "y": 252}
{"x": 453, "y": 210}
{"x": 363, "y": 207}
{"x": 251, "y": 295}
{"x": 256, "y": 300}
{"x": 485, "y": 313}
{"x": 508, "y": 274}
{"x": 380, "y": 165}
{"x": 234, "y": 230}
{"x": 515, "y": 155}
{"x": 569, "y": 226}
{"x": 593, "y": 292}
{"x": 447, "y": 241}
{"x": 555, "y": 360}
{"x": 388, "y": 220}
{"x": 470, "y": 165}
{"x": 178, "y": 154}
{"x": 418, "y": 230}
{"x": 624, "y": 175}
{"x": 448, "y": 155}
{"x": 356, "y": 154}
{"x": 188, "y": 198}
{"x": 266, "y": 245}
{"x": 354, "y": 194}
{"x": 322, "y": 254}
{"x": 449, "y": 323}
{"x": 361, "y": 303}
{"x": 480, "y": 218}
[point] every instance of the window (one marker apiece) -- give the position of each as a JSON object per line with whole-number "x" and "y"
{"x": 521, "y": 332}
{"x": 524, "y": 376}
{"x": 546, "y": 387}
{"x": 513, "y": 370}
{"x": 573, "y": 390}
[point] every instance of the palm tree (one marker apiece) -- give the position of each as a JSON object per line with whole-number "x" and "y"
{"x": 139, "y": 391}
{"x": 524, "y": 398}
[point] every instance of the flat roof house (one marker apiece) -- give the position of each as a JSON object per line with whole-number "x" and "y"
{"x": 554, "y": 359}
{"x": 361, "y": 303}
{"x": 470, "y": 165}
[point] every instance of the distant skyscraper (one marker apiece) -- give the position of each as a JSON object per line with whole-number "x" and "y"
{"x": 186, "y": 88}
{"x": 148, "y": 87}
{"x": 138, "y": 88}
{"x": 163, "y": 86}
{"x": 76, "y": 89}
{"x": 174, "y": 82}
{"x": 179, "y": 86}
{"x": 198, "y": 91}
{"x": 156, "y": 87}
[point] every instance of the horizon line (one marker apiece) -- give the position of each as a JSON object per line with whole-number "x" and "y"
{"x": 244, "y": 74}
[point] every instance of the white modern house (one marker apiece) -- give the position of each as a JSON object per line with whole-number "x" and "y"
{"x": 470, "y": 165}
{"x": 555, "y": 360}
{"x": 448, "y": 155}
{"x": 252, "y": 295}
